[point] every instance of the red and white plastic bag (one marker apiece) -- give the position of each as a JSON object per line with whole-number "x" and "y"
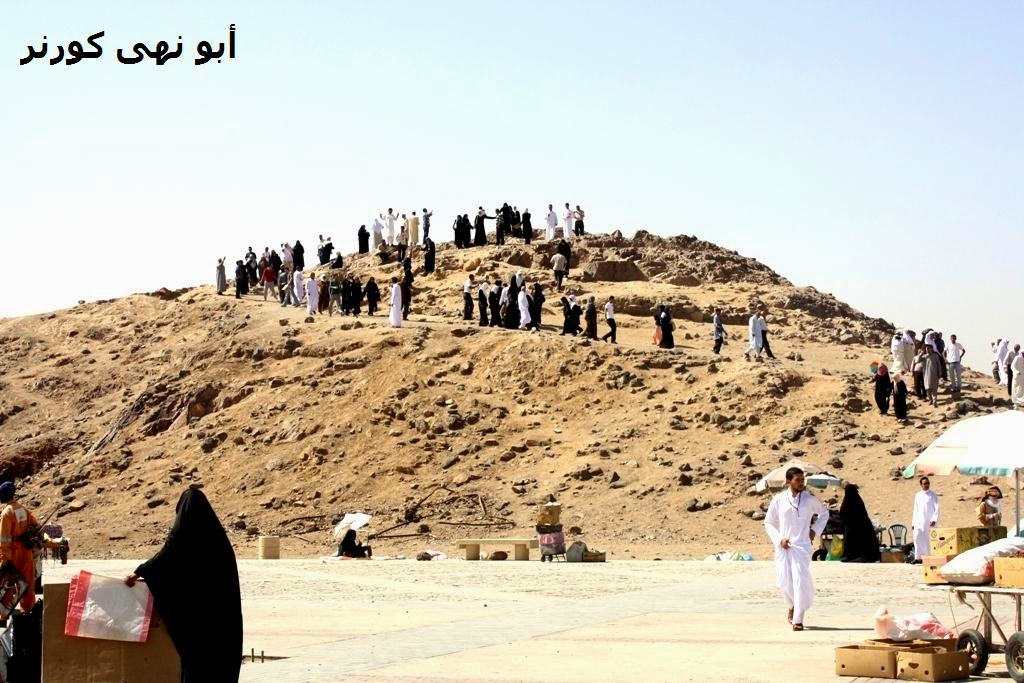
{"x": 106, "y": 608}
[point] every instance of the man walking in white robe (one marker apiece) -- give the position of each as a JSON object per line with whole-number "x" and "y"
{"x": 312, "y": 295}
{"x": 756, "y": 340}
{"x": 926, "y": 516}
{"x": 788, "y": 523}
{"x": 396, "y": 303}
{"x": 524, "y": 310}
{"x": 549, "y": 234}
{"x": 567, "y": 231}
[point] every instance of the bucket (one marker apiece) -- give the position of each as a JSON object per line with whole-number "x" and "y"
{"x": 269, "y": 548}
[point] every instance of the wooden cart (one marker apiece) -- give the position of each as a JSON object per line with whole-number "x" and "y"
{"x": 979, "y": 641}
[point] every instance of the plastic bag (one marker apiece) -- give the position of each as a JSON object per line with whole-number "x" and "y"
{"x": 975, "y": 567}
{"x": 106, "y": 608}
{"x": 920, "y": 626}
{"x": 835, "y": 549}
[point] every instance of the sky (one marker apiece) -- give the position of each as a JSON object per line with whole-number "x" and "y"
{"x": 872, "y": 150}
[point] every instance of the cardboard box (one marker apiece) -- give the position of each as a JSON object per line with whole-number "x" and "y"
{"x": 1009, "y": 571}
{"x": 892, "y": 555}
{"x": 88, "y": 660}
{"x": 931, "y": 566}
{"x": 867, "y": 661}
{"x": 932, "y": 664}
{"x": 955, "y": 540}
{"x": 943, "y": 644}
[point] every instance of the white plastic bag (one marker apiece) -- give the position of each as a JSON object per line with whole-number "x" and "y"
{"x": 106, "y": 608}
{"x": 920, "y": 626}
{"x": 974, "y": 567}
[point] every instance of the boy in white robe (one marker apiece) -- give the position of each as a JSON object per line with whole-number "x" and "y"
{"x": 396, "y": 303}
{"x": 312, "y": 295}
{"x": 926, "y": 516}
{"x": 789, "y": 525}
{"x": 524, "y": 310}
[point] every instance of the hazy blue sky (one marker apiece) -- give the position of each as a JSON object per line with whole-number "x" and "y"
{"x": 871, "y": 149}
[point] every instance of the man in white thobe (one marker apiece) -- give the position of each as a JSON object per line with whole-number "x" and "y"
{"x": 549, "y": 234}
{"x": 1002, "y": 351}
{"x": 312, "y": 295}
{"x": 897, "y": 354}
{"x": 524, "y": 310}
{"x": 389, "y": 220}
{"x": 396, "y": 303}
{"x": 1017, "y": 365}
{"x": 756, "y": 340}
{"x": 926, "y": 516}
{"x": 790, "y": 527}
{"x": 378, "y": 229}
{"x": 567, "y": 231}
{"x": 299, "y": 288}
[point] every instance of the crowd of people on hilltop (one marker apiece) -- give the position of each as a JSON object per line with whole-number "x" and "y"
{"x": 280, "y": 272}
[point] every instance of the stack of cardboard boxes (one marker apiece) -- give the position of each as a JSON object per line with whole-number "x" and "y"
{"x": 914, "y": 660}
{"x": 947, "y": 543}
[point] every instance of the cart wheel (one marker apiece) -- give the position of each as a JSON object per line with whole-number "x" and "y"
{"x": 974, "y": 643}
{"x": 819, "y": 554}
{"x": 1015, "y": 656}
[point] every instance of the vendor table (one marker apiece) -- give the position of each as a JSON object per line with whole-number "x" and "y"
{"x": 979, "y": 641}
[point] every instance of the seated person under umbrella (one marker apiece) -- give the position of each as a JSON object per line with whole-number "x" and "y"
{"x": 349, "y": 547}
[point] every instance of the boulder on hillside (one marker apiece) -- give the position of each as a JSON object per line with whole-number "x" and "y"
{"x": 614, "y": 270}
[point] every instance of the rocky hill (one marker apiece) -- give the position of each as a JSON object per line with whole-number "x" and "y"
{"x": 444, "y": 429}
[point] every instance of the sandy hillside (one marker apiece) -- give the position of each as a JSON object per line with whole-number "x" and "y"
{"x": 113, "y": 407}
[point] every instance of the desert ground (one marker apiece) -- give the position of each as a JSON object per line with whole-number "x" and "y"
{"x": 452, "y": 620}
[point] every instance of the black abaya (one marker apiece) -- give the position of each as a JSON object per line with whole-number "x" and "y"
{"x": 494, "y": 299}
{"x": 480, "y": 236}
{"x": 481, "y": 300}
{"x": 512, "y": 310}
{"x": 299, "y": 256}
{"x": 527, "y": 228}
{"x": 899, "y": 399}
{"x": 883, "y": 389}
{"x": 860, "y": 543}
{"x": 591, "y": 319}
{"x": 194, "y": 582}
{"x": 664, "y": 321}
{"x": 364, "y": 240}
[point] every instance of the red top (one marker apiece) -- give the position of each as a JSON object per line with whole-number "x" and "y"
{"x": 268, "y": 275}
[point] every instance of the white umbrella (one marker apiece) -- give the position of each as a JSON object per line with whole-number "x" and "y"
{"x": 352, "y": 520}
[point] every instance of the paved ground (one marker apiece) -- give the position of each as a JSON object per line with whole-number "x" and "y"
{"x": 419, "y": 622}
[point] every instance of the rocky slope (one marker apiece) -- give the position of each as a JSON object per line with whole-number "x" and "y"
{"x": 447, "y": 430}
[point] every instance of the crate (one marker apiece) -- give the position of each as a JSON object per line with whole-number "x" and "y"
{"x": 893, "y": 555}
{"x": 1009, "y": 572}
{"x": 931, "y": 568}
{"x": 932, "y": 664}
{"x": 955, "y": 540}
{"x": 866, "y": 661}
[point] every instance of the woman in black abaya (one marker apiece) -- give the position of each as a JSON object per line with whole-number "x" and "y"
{"x": 860, "y": 543}
{"x": 194, "y": 582}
